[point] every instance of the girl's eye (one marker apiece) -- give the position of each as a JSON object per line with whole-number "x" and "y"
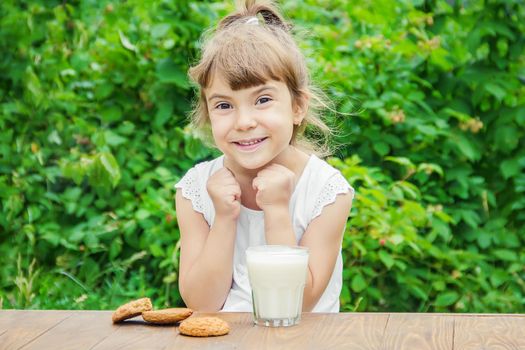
{"x": 222, "y": 105}
{"x": 263, "y": 100}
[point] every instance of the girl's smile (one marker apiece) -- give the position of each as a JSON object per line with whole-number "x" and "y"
{"x": 250, "y": 145}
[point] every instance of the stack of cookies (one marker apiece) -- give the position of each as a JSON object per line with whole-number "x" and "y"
{"x": 194, "y": 326}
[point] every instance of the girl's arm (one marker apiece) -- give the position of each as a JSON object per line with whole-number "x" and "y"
{"x": 206, "y": 254}
{"x": 206, "y": 258}
{"x": 323, "y": 238}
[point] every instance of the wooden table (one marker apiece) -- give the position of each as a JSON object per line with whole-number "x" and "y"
{"x": 94, "y": 330}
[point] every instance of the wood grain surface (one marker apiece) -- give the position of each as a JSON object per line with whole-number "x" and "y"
{"x": 418, "y": 331}
{"x": 66, "y": 329}
{"x": 489, "y": 333}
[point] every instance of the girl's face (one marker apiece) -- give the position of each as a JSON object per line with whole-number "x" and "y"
{"x": 251, "y": 126}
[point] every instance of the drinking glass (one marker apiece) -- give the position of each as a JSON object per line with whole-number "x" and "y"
{"x": 277, "y": 277}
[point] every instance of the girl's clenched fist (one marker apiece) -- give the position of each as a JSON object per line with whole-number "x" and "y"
{"x": 225, "y": 193}
{"x": 274, "y": 185}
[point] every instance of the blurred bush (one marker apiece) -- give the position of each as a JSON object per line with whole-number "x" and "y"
{"x": 93, "y": 101}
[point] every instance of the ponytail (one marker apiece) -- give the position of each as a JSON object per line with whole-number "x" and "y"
{"x": 265, "y": 11}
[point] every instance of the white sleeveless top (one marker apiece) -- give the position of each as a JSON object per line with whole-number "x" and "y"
{"x": 318, "y": 185}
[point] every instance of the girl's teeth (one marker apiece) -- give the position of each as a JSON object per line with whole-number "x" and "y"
{"x": 249, "y": 143}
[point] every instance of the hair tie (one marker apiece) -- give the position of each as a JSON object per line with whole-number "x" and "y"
{"x": 252, "y": 21}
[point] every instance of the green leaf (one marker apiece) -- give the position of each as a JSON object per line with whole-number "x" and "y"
{"x": 91, "y": 240}
{"x": 115, "y": 248}
{"x": 438, "y": 285}
{"x": 73, "y": 170}
{"x": 505, "y": 254}
{"x": 495, "y": 90}
{"x": 111, "y": 167}
{"x": 193, "y": 148}
{"x": 510, "y": 168}
{"x": 467, "y": 147}
{"x": 440, "y": 58}
{"x": 160, "y": 30}
{"x": 142, "y": 214}
{"x": 382, "y": 148}
{"x": 418, "y": 292}
{"x": 125, "y": 42}
{"x": 507, "y": 138}
{"x": 103, "y": 171}
{"x": 430, "y": 168}
{"x": 386, "y": 258}
{"x": 156, "y": 250}
{"x": 446, "y": 298}
{"x": 402, "y": 161}
{"x": 498, "y": 277}
{"x": 169, "y": 72}
{"x": 397, "y": 239}
{"x": 111, "y": 114}
{"x": 471, "y": 217}
{"x": 460, "y": 116}
{"x": 358, "y": 283}
{"x": 164, "y": 112}
{"x": 409, "y": 190}
{"x": 373, "y": 104}
{"x": 34, "y": 92}
{"x": 54, "y": 137}
{"x": 114, "y": 139}
{"x": 51, "y": 238}
{"x": 126, "y": 128}
{"x": 104, "y": 90}
{"x": 484, "y": 239}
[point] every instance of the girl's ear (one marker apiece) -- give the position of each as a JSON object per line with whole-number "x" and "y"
{"x": 300, "y": 108}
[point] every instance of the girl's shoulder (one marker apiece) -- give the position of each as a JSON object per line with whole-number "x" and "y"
{"x": 193, "y": 185}
{"x": 318, "y": 171}
{"x": 320, "y": 185}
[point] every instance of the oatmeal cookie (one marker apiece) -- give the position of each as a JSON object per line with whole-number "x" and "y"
{"x": 204, "y": 327}
{"x": 167, "y": 316}
{"x": 131, "y": 309}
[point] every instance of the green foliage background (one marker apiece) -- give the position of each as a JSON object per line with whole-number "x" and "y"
{"x": 93, "y": 99}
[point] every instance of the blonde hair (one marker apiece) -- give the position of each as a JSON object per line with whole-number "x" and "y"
{"x": 250, "y": 47}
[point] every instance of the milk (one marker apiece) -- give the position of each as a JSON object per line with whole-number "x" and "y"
{"x": 277, "y": 276}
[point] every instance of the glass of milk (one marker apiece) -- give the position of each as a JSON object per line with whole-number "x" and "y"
{"x": 277, "y": 276}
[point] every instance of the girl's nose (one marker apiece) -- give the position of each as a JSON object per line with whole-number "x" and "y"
{"x": 245, "y": 120}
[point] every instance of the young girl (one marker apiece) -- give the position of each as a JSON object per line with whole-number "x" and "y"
{"x": 268, "y": 187}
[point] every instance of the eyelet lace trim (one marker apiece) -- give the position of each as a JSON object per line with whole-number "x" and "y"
{"x": 191, "y": 190}
{"x": 336, "y": 185}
